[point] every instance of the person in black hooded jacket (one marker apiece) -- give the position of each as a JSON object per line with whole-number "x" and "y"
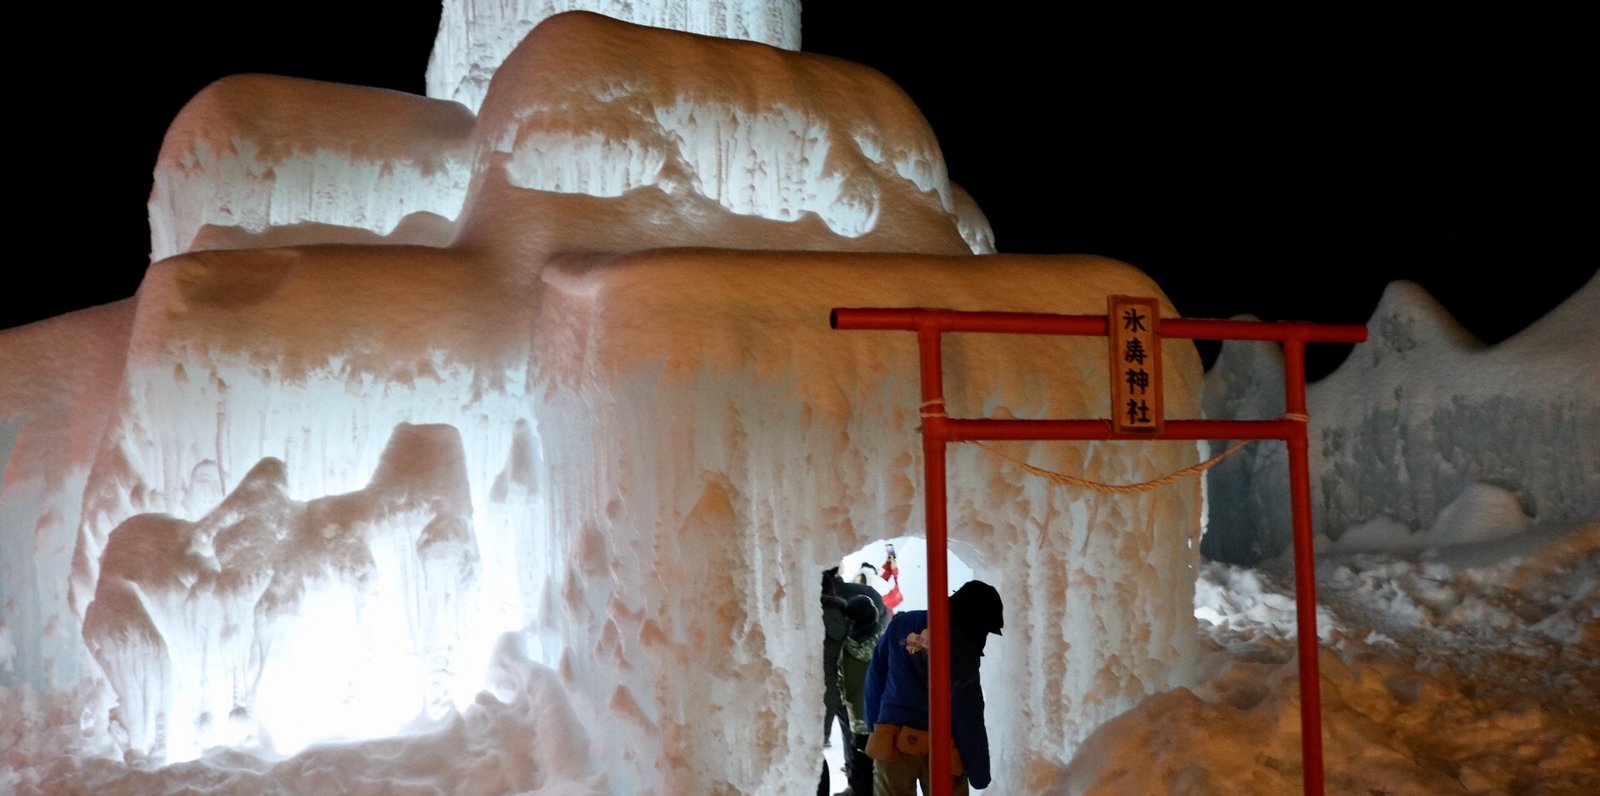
{"x": 836, "y": 627}
{"x": 849, "y": 588}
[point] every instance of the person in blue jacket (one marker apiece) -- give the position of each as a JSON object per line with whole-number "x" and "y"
{"x": 897, "y": 695}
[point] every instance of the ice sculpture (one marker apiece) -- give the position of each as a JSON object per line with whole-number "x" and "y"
{"x": 601, "y": 406}
{"x": 476, "y": 37}
{"x": 1409, "y": 433}
{"x": 258, "y": 160}
{"x": 237, "y": 620}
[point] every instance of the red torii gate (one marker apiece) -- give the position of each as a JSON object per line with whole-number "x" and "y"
{"x": 938, "y": 430}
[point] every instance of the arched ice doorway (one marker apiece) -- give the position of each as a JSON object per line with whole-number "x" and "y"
{"x": 911, "y": 559}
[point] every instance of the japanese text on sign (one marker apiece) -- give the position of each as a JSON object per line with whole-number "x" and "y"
{"x": 1135, "y": 364}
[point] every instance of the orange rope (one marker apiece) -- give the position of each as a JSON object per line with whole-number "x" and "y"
{"x": 1062, "y": 478}
{"x": 1196, "y": 469}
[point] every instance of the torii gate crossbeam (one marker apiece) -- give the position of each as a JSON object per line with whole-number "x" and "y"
{"x": 938, "y": 431}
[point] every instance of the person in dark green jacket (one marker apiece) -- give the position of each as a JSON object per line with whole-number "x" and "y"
{"x": 865, "y": 629}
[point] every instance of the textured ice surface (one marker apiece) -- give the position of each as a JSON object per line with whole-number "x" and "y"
{"x": 785, "y": 136}
{"x": 583, "y": 108}
{"x": 58, "y": 394}
{"x": 573, "y": 490}
{"x": 475, "y": 37}
{"x": 1422, "y": 427}
{"x": 604, "y": 420}
{"x": 262, "y": 160}
{"x": 222, "y": 631}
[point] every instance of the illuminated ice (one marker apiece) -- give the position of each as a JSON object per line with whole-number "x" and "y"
{"x": 271, "y": 622}
{"x": 260, "y": 160}
{"x": 524, "y": 486}
{"x": 618, "y": 351}
{"x": 476, "y": 37}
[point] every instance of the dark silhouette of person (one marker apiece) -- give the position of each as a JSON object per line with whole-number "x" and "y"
{"x": 849, "y": 588}
{"x": 836, "y": 627}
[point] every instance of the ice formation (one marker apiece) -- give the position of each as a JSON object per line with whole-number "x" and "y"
{"x": 259, "y": 160}
{"x": 1409, "y": 442}
{"x": 564, "y": 381}
{"x": 475, "y": 37}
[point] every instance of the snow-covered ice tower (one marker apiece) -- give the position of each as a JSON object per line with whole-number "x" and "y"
{"x": 553, "y": 365}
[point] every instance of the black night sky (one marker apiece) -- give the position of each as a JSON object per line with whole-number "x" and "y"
{"x": 1286, "y": 165}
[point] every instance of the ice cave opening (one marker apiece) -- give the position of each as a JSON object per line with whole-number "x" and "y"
{"x": 910, "y": 554}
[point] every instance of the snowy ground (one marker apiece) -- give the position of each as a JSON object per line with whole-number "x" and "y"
{"x": 1473, "y": 669}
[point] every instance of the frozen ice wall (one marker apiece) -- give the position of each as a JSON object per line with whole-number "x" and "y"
{"x": 476, "y": 36}
{"x": 1246, "y": 520}
{"x": 271, "y": 615}
{"x": 260, "y": 160}
{"x": 51, "y": 423}
{"x": 686, "y": 489}
{"x": 604, "y": 414}
{"x": 1422, "y": 432}
{"x": 662, "y": 124}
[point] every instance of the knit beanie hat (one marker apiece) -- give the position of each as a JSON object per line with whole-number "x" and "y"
{"x": 863, "y": 615}
{"x": 977, "y": 607}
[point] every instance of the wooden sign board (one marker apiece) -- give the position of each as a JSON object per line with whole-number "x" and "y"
{"x": 1135, "y": 326}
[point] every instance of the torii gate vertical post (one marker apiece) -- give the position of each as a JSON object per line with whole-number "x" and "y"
{"x": 1305, "y": 568}
{"x": 938, "y": 541}
{"x": 938, "y": 430}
